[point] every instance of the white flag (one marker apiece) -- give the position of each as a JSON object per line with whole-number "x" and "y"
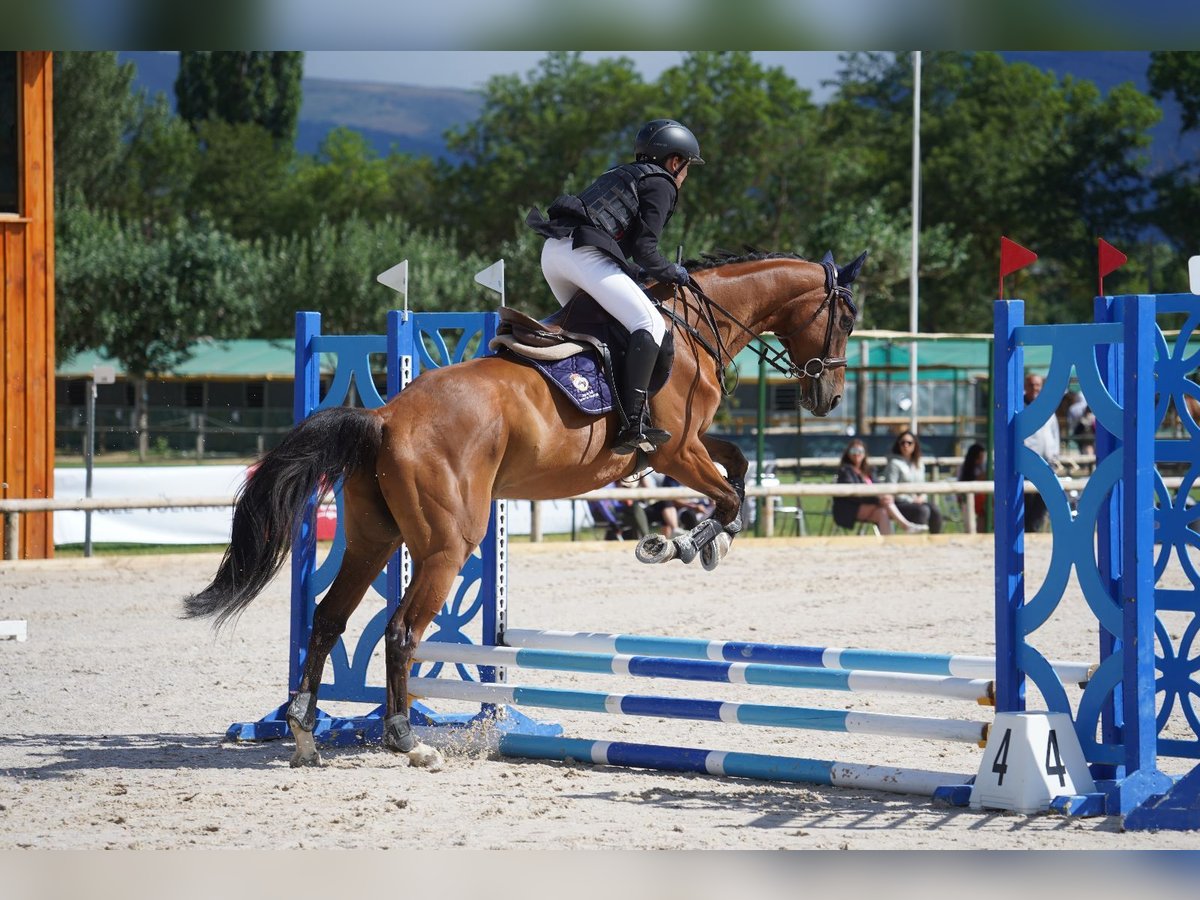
{"x": 1194, "y": 274}
{"x": 492, "y": 277}
{"x": 396, "y": 278}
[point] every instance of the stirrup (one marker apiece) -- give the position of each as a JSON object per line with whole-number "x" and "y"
{"x": 639, "y": 436}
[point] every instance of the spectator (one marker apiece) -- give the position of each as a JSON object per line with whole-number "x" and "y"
{"x": 974, "y": 468}
{"x": 1045, "y": 442}
{"x": 1077, "y": 407}
{"x": 1081, "y": 422}
{"x": 623, "y": 518}
{"x": 679, "y": 515}
{"x": 904, "y": 467}
{"x": 882, "y": 511}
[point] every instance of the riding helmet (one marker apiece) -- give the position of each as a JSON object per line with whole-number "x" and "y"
{"x": 663, "y": 137}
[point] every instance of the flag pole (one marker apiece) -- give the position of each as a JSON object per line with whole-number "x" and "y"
{"x": 916, "y": 232}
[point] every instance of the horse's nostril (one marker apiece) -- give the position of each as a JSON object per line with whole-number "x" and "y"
{"x": 837, "y": 398}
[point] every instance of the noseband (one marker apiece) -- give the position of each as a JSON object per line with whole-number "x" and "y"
{"x": 834, "y": 292}
{"x": 814, "y": 368}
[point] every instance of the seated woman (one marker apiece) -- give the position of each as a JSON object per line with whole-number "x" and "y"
{"x": 882, "y": 511}
{"x": 622, "y": 518}
{"x": 904, "y": 467}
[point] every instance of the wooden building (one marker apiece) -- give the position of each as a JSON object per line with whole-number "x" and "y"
{"x": 27, "y": 290}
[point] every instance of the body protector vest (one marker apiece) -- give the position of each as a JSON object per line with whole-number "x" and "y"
{"x": 611, "y": 200}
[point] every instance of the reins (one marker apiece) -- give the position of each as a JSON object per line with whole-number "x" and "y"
{"x": 777, "y": 359}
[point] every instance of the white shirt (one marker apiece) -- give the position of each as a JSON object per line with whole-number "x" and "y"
{"x": 900, "y": 471}
{"x": 1045, "y": 441}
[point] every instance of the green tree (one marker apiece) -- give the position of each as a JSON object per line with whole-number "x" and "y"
{"x": 1177, "y": 208}
{"x": 345, "y": 178}
{"x": 332, "y": 270}
{"x": 164, "y": 158}
{"x": 95, "y": 112}
{"x": 1006, "y": 150}
{"x": 242, "y": 87}
{"x": 1177, "y": 73}
{"x": 241, "y": 177}
{"x": 145, "y": 294}
{"x": 557, "y": 129}
{"x": 758, "y": 132}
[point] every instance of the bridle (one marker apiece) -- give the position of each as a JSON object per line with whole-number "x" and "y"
{"x": 814, "y": 368}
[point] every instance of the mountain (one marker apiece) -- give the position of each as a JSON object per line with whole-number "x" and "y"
{"x": 407, "y": 118}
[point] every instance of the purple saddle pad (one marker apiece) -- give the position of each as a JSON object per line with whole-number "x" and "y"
{"x": 581, "y": 379}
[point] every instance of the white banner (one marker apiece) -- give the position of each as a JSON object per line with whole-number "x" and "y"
{"x": 211, "y": 525}
{"x": 201, "y": 525}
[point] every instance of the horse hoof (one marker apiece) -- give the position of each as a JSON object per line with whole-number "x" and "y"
{"x": 654, "y": 548}
{"x": 711, "y": 555}
{"x": 685, "y": 548}
{"x": 301, "y": 760}
{"x": 424, "y": 756}
{"x": 306, "y": 748}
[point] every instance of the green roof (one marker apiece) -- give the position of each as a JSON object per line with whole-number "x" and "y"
{"x": 938, "y": 359}
{"x": 243, "y": 360}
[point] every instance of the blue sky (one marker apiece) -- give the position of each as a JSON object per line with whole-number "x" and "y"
{"x": 472, "y": 68}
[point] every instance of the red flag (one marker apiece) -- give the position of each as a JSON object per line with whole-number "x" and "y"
{"x": 1012, "y": 257}
{"x": 1111, "y": 259}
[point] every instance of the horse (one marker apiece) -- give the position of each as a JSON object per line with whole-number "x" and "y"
{"x": 424, "y": 469}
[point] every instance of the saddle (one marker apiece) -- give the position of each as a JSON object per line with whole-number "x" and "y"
{"x": 579, "y": 349}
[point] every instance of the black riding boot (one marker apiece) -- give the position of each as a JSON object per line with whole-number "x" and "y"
{"x": 640, "y": 359}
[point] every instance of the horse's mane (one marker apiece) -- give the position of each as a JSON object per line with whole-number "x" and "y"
{"x": 720, "y": 257}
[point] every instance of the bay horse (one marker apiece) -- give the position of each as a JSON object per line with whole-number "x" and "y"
{"x": 424, "y": 469}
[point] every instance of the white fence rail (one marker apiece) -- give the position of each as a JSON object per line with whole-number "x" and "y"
{"x": 12, "y": 510}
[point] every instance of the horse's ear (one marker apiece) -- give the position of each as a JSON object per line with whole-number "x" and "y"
{"x": 847, "y": 275}
{"x": 828, "y": 258}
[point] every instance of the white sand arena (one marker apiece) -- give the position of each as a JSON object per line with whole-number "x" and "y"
{"x": 114, "y": 709}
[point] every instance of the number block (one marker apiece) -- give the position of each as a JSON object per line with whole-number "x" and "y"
{"x": 1031, "y": 758}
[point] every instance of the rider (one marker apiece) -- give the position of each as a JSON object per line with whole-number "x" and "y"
{"x": 589, "y": 237}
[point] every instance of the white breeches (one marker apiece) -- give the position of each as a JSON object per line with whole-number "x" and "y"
{"x": 568, "y": 270}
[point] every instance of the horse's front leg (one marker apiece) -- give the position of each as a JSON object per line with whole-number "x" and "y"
{"x": 695, "y": 466}
{"x": 736, "y": 465}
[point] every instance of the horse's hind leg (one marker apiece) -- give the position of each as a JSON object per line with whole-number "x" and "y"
{"x": 432, "y": 580}
{"x": 369, "y": 543}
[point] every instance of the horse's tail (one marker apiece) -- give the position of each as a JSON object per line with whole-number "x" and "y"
{"x": 328, "y": 445}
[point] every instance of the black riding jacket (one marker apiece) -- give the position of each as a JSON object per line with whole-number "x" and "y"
{"x": 623, "y": 213}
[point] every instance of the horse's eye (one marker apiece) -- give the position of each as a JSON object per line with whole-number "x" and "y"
{"x": 847, "y": 324}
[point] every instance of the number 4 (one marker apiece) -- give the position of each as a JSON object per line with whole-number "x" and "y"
{"x": 1000, "y": 764}
{"x": 1059, "y": 768}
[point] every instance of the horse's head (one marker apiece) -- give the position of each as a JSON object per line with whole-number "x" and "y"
{"x": 814, "y": 326}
